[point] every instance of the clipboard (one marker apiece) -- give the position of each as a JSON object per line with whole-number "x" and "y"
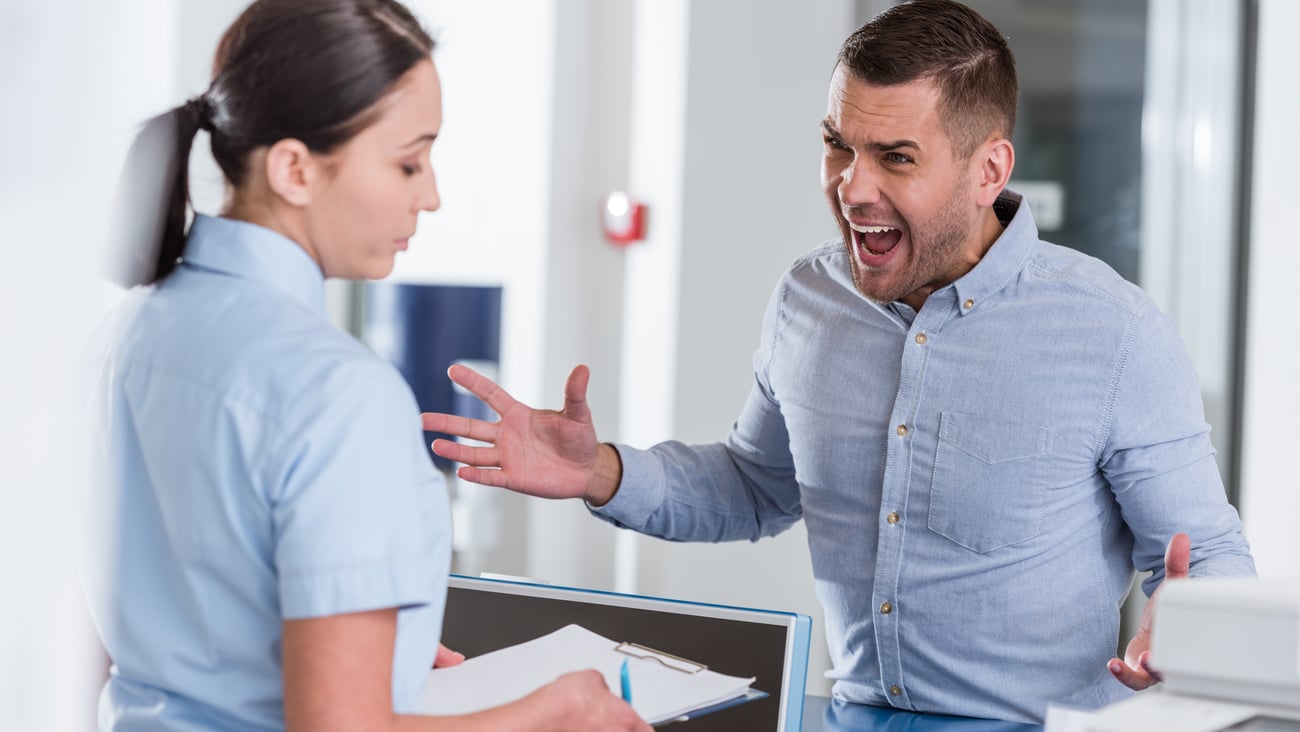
{"x": 663, "y": 658}
{"x": 483, "y": 615}
{"x": 665, "y": 687}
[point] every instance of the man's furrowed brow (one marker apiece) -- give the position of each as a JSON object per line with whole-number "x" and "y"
{"x": 891, "y": 145}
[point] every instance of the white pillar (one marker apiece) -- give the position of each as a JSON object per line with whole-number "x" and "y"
{"x": 1270, "y": 482}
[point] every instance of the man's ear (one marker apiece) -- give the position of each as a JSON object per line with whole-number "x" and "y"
{"x": 994, "y": 160}
{"x": 291, "y": 171}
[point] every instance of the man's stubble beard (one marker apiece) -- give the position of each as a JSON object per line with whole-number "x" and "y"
{"x": 932, "y": 257}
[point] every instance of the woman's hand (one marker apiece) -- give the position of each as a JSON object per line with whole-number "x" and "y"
{"x": 580, "y": 701}
{"x": 447, "y": 657}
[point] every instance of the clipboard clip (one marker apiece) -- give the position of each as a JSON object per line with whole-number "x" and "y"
{"x": 668, "y": 660}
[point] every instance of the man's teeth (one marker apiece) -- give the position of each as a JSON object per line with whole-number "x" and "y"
{"x": 871, "y": 229}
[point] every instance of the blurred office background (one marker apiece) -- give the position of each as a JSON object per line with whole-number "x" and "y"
{"x": 1154, "y": 134}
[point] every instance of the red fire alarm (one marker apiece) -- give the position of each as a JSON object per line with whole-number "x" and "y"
{"x": 623, "y": 219}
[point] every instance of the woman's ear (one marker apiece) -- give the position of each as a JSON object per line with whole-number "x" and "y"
{"x": 994, "y": 160}
{"x": 291, "y": 170}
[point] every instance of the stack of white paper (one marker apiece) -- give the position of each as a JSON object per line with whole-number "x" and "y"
{"x": 659, "y": 692}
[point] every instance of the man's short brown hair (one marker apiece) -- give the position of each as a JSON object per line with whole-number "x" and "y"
{"x": 951, "y": 45}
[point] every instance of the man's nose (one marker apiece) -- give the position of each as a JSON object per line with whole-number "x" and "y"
{"x": 858, "y": 184}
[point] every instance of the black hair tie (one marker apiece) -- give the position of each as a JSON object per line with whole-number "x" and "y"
{"x": 200, "y": 110}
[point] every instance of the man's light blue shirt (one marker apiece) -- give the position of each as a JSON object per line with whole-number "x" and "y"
{"x": 979, "y": 479}
{"x": 258, "y": 465}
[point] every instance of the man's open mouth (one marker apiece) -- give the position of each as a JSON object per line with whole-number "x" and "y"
{"x": 876, "y": 239}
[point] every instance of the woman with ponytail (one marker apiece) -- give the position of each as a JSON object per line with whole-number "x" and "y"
{"x": 282, "y": 540}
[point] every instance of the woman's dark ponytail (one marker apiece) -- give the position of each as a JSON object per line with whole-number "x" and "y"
{"x": 153, "y": 195}
{"x": 188, "y": 118}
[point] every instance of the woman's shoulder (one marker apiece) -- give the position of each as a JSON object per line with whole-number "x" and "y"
{"x": 252, "y": 344}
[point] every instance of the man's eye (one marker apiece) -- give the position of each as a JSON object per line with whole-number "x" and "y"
{"x": 897, "y": 158}
{"x": 832, "y": 142}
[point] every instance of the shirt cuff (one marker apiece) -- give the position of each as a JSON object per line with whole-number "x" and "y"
{"x": 639, "y": 494}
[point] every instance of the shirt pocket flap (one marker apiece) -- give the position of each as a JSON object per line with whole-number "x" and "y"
{"x": 992, "y": 441}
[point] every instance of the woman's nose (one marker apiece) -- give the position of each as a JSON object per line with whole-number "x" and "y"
{"x": 428, "y": 199}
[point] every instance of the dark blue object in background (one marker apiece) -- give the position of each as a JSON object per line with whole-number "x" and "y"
{"x": 423, "y": 329}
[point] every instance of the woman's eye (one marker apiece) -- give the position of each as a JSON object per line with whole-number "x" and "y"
{"x": 410, "y": 169}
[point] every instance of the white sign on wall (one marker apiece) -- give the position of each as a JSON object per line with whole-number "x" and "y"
{"x": 1046, "y": 199}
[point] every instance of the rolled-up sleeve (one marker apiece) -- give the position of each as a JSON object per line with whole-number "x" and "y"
{"x": 356, "y": 505}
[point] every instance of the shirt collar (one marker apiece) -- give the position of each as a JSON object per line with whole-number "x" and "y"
{"x": 1004, "y": 259}
{"x": 253, "y": 252}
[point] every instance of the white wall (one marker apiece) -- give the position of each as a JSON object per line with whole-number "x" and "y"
{"x": 70, "y": 98}
{"x": 652, "y": 297}
{"x": 584, "y": 273}
{"x": 1270, "y": 480}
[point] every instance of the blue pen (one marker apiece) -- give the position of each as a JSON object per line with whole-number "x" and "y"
{"x": 627, "y": 683}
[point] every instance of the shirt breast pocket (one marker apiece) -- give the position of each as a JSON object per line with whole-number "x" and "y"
{"x": 990, "y": 479}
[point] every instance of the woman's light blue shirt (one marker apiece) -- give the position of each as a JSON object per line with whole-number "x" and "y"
{"x": 258, "y": 465}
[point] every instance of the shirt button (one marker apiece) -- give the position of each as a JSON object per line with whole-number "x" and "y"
{"x": 886, "y": 608}
{"x": 968, "y": 304}
{"x": 892, "y": 517}
{"x": 902, "y": 430}
{"x": 895, "y": 690}
{"x": 920, "y": 339}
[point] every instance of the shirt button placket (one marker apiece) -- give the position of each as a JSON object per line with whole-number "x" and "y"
{"x": 897, "y": 479}
{"x": 886, "y": 608}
